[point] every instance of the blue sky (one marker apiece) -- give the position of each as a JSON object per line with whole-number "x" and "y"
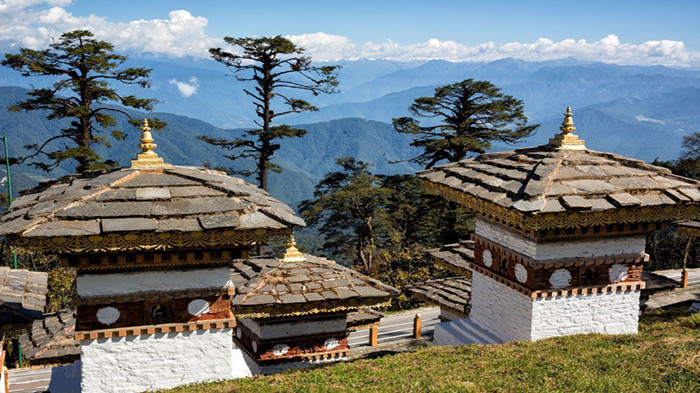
{"x": 622, "y": 32}
{"x": 469, "y": 22}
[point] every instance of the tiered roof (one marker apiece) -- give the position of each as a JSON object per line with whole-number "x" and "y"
{"x": 22, "y": 295}
{"x": 533, "y": 188}
{"x": 93, "y": 211}
{"x": 455, "y": 257}
{"x": 453, "y": 294}
{"x": 51, "y": 339}
{"x": 313, "y": 285}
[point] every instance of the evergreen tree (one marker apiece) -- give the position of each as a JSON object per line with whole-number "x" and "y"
{"x": 276, "y": 66}
{"x": 85, "y": 67}
{"x": 470, "y": 115}
{"x": 347, "y": 208}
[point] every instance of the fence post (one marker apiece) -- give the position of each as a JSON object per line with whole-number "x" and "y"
{"x": 416, "y": 326}
{"x": 373, "y": 335}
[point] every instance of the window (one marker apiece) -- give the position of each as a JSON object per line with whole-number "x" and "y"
{"x": 160, "y": 313}
{"x": 588, "y": 277}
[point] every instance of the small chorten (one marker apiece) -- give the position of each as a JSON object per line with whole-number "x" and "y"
{"x": 293, "y": 254}
{"x": 147, "y": 158}
{"x": 567, "y": 139}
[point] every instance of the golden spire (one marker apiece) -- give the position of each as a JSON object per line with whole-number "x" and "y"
{"x": 567, "y": 139}
{"x": 292, "y": 254}
{"x": 147, "y": 157}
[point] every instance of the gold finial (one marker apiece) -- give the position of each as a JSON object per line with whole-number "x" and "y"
{"x": 567, "y": 139}
{"x": 147, "y": 157}
{"x": 567, "y": 126}
{"x": 293, "y": 254}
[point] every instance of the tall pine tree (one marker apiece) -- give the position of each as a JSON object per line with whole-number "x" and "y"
{"x": 465, "y": 117}
{"x": 85, "y": 68}
{"x": 277, "y": 67}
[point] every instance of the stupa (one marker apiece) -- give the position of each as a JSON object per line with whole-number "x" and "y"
{"x": 161, "y": 251}
{"x": 559, "y": 238}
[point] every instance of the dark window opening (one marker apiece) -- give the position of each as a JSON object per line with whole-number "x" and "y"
{"x": 587, "y": 277}
{"x": 160, "y": 314}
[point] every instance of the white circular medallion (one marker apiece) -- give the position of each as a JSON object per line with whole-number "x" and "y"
{"x": 197, "y": 307}
{"x": 520, "y": 273}
{"x": 280, "y": 349}
{"x": 331, "y": 343}
{"x": 107, "y": 315}
{"x": 561, "y": 278}
{"x": 617, "y": 273}
{"x": 488, "y": 258}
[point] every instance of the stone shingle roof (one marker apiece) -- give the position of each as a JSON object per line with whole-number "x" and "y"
{"x": 306, "y": 287}
{"x": 22, "y": 295}
{"x": 452, "y": 293}
{"x": 363, "y": 318}
{"x": 455, "y": 257}
{"x": 168, "y": 199}
{"x": 548, "y": 180}
{"x": 51, "y": 338}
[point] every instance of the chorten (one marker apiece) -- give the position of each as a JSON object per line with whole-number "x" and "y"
{"x": 560, "y": 237}
{"x": 164, "y": 276}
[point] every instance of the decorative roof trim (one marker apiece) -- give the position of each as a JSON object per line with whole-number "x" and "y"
{"x": 153, "y": 329}
{"x": 297, "y": 309}
{"x": 147, "y": 241}
{"x": 690, "y": 228}
{"x": 564, "y": 220}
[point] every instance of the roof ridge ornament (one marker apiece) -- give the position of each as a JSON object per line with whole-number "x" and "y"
{"x": 293, "y": 254}
{"x": 567, "y": 139}
{"x": 147, "y": 158}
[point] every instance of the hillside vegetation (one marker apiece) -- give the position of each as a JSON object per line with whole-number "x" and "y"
{"x": 663, "y": 357}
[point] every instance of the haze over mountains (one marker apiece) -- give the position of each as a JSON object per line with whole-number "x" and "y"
{"x": 637, "y": 111}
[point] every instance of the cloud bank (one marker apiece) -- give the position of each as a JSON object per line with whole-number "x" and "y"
{"x": 609, "y": 50}
{"x": 33, "y": 23}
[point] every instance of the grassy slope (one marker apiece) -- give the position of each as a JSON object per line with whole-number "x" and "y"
{"x": 664, "y": 356}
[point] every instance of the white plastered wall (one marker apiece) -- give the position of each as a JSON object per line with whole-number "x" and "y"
{"x": 175, "y": 280}
{"x": 606, "y": 313}
{"x": 512, "y": 316}
{"x": 559, "y": 250}
{"x": 159, "y": 361}
{"x": 502, "y": 311}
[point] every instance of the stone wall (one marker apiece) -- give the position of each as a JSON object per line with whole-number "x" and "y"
{"x": 159, "y": 361}
{"x": 607, "y": 313}
{"x": 559, "y": 250}
{"x": 502, "y": 311}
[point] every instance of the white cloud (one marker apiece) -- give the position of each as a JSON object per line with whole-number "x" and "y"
{"x": 327, "y": 47}
{"x": 33, "y": 23}
{"x": 186, "y": 89}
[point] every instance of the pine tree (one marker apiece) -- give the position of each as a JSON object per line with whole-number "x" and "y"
{"x": 347, "y": 209}
{"x": 277, "y": 67}
{"x": 85, "y": 67}
{"x": 470, "y": 115}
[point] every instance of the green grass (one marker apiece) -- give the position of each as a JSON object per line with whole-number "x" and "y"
{"x": 663, "y": 357}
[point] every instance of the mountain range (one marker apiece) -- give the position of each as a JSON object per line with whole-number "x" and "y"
{"x": 637, "y": 111}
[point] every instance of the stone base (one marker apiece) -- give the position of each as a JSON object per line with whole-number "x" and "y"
{"x": 512, "y": 316}
{"x": 160, "y": 361}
